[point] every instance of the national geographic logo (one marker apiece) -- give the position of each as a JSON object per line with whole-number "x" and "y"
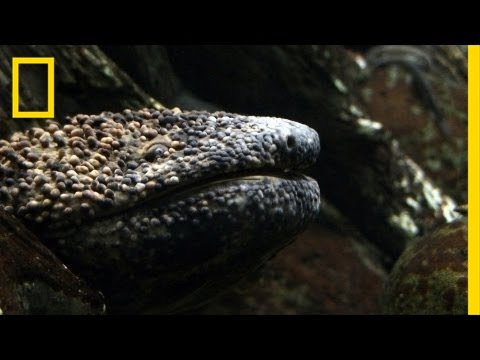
{"x": 16, "y": 62}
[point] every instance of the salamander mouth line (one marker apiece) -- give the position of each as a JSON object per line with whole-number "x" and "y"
{"x": 245, "y": 175}
{"x": 187, "y": 188}
{"x": 182, "y": 191}
{"x": 196, "y": 186}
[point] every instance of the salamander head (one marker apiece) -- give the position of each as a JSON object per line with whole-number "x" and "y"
{"x": 163, "y": 202}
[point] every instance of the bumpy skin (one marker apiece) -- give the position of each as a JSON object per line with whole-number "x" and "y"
{"x": 160, "y": 208}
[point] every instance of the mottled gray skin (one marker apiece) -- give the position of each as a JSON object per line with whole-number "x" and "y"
{"x": 161, "y": 208}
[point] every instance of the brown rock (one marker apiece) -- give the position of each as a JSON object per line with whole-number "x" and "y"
{"x": 34, "y": 282}
{"x": 391, "y": 97}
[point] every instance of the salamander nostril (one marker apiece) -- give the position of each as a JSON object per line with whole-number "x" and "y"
{"x": 291, "y": 141}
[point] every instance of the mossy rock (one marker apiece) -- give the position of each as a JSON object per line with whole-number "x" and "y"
{"x": 431, "y": 275}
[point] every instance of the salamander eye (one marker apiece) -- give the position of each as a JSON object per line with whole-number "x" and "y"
{"x": 155, "y": 151}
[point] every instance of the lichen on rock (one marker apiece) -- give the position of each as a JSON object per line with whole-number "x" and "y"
{"x": 431, "y": 275}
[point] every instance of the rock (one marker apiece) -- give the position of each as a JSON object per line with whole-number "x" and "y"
{"x": 391, "y": 96}
{"x": 431, "y": 275}
{"x": 34, "y": 282}
{"x": 86, "y": 81}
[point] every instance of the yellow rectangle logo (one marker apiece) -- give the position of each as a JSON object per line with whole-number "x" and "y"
{"x": 473, "y": 179}
{"x": 49, "y": 61}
